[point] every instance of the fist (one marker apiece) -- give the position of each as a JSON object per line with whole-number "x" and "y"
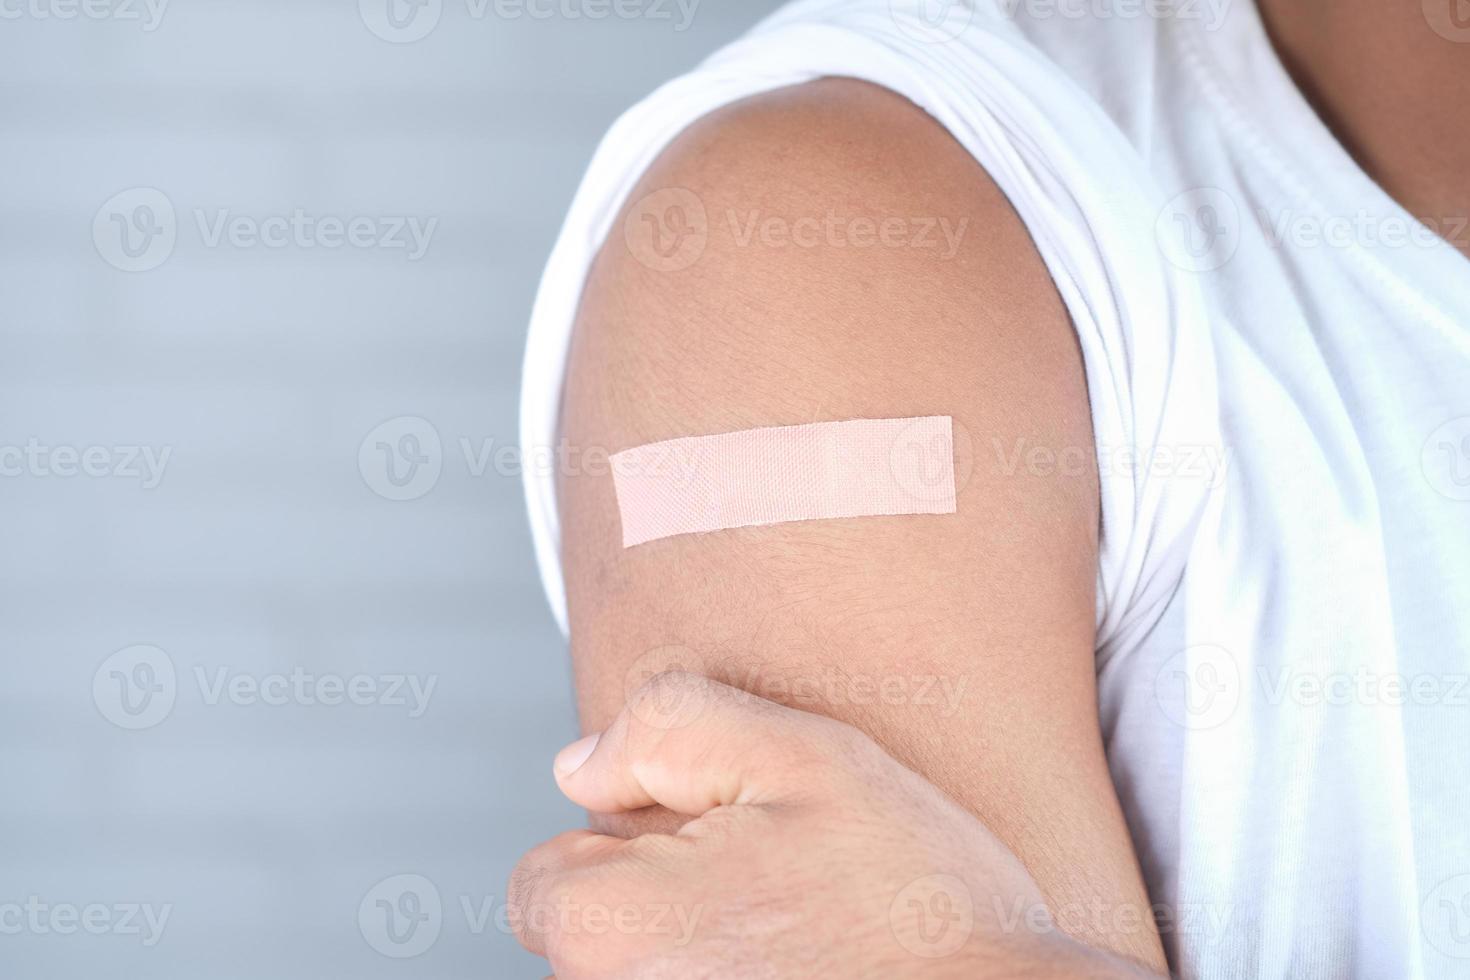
{"x": 809, "y": 853}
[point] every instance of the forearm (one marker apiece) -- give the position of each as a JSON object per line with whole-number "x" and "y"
{"x": 1060, "y": 958}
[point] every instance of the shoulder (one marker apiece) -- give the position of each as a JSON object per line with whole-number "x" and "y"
{"x": 809, "y": 292}
{"x": 826, "y": 250}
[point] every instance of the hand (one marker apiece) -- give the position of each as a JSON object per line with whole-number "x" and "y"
{"x": 812, "y": 853}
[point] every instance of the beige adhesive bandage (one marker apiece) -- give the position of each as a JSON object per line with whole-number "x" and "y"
{"x": 860, "y": 468}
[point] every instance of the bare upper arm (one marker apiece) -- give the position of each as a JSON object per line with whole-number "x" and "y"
{"x": 964, "y": 642}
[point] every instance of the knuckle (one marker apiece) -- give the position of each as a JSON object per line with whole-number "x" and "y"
{"x": 671, "y": 687}
{"x": 839, "y": 752}
{"x": 731, "y": 822}
{"x": 541, "y": 917}
{"x": 674, "y": 677}
{"x": 570, "y": 890}
{"x": 537, "y": 882}
{"x": 837, "y": 735}
{"x": 644, "y": 855}
{"x": 670, "y": 700}
{"x": 526, "y": 883}
{"x": 572, "y": 915}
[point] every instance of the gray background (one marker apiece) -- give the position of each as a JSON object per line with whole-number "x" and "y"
{"x": 266, "y": 547}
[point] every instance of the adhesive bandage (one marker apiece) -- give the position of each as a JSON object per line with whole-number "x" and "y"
{"x": 859, "y": 468}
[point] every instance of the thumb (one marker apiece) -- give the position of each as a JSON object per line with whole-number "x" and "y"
{"x": 691, "y": 744}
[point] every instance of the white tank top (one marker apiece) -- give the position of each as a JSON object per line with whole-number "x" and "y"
{"x": 1279, "y": 370}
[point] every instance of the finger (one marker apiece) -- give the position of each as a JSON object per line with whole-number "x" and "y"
{"x": 691, "y": 744}
{"x": 538, "y": 885}
{"x": 636, "y": 823}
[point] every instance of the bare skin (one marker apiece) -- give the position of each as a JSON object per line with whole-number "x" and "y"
{"x": 1392, "y": 90}
{"x": 809, "y": 852}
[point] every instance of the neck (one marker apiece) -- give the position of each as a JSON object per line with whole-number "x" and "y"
{"x": 1391, "y": 78}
